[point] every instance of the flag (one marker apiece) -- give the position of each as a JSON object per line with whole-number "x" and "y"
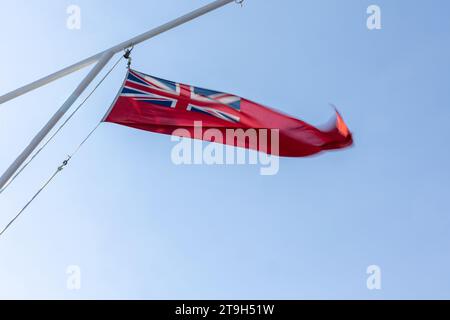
{"x": 166, "y": 107}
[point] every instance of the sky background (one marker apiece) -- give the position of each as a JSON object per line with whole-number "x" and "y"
{"x": 140, "y": 227}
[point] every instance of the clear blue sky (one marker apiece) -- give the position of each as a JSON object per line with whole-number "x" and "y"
{"x": 140, "y": 227}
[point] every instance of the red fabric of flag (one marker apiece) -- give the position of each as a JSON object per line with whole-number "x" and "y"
{"x": 161, "y": 106}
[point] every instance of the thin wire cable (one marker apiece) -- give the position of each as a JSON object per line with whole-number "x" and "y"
{"x": 53, "y": 176}
{"x": 18, "y": 173}
{"x": 65, "y": 162}
{"x": 84, "y": 141}
{"x": 29, "y": 202}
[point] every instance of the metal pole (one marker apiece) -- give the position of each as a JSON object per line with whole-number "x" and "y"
{"x": 54, "y": 120}
{"x": 122, "y": 46}
{"x": 102, "y": 58}
{"x": 46, "y": 80}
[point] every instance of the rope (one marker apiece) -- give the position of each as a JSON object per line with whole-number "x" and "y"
{"x": 65, "y": 162}
{"x": 53, "y": 176}
{"x": 29, "y": 202}
{"x": 19, "y": 172}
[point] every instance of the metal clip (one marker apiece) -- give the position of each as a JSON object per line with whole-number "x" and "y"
{"x": 64, "y": 164}
{"x": 127, "y": 55}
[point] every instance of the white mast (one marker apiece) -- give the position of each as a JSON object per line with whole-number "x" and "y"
{"x": 101, "y": 59}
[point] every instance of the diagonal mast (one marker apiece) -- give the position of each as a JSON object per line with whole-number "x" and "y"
{"x": 101, "y": 59}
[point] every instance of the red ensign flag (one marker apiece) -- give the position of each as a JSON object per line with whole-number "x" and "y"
{"x": 162, "y": 106}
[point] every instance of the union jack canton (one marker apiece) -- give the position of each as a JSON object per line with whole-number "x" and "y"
{"x": 164, "y": 93}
